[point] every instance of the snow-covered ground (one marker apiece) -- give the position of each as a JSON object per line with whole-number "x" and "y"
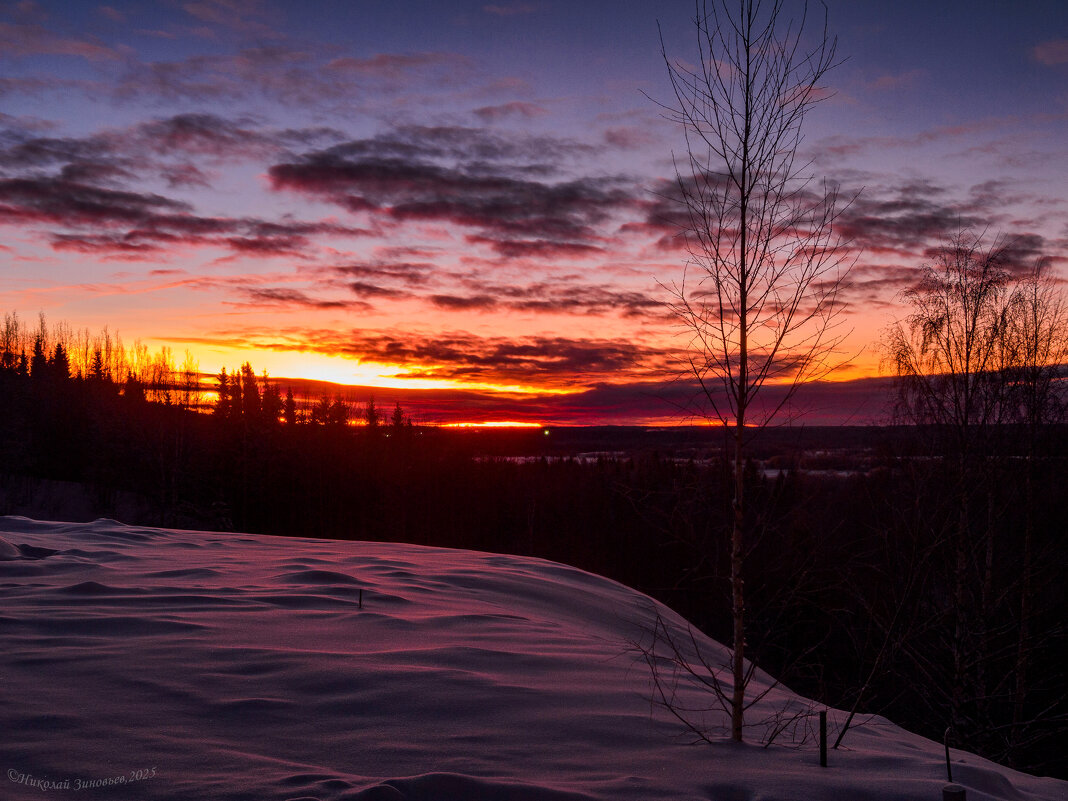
{"x": 141, "y": 663}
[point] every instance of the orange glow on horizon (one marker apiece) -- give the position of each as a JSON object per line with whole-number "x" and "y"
{"x": 346, "y": 371}
{"x": 493, "y": 424}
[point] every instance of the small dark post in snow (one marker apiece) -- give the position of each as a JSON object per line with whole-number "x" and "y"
{"x": 953, "y": 792}
{"x": 949, "y": 767}
{"x": 361, "y": 598}
{"x": 823, "y": 738}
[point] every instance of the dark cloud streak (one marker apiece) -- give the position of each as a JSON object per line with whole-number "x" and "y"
{"x": 295, "y": 298}
{"x": 465, "y": 177}
{"x": 459, "y": 356}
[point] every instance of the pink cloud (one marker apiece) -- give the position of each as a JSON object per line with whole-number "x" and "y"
{"x": 515, "y": 109}
{"x": 245, "y": 16}
{"x": 899, "y": 81}
{"x": 111, "y": 13}
{"x": 34, "y": 40}
{"x": 510, "y": 9}
{"x": 394, "y": 66}
{"x": 629, "y": 137}
{"x": 1051, "y": 53}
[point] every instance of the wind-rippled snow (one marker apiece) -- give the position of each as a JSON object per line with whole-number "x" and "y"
{"x": 163, "y": 664}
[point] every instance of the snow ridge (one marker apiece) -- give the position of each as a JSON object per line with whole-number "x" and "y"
{"x": 153, "y": 663}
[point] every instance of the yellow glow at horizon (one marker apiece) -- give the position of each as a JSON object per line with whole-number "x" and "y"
{"x": 347, "y": 371}
{"x": 493, "y": 424}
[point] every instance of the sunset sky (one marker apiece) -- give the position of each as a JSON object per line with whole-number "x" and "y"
{"x": 459, "y": 202}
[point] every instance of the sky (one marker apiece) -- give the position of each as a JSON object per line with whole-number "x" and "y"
{"x": 460, "y": 205}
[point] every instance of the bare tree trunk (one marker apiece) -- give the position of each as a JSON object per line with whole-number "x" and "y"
{"x": 738, "y": 586}
{"x": 1026, "y": 583}
{"x": 960, "y": 625}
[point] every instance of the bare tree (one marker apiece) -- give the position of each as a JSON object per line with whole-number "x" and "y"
{"x": 1038, "y": 346}
{"x": 189, "y": 392}
{"x": 1037, "y": 336}
{"x": 950, "y": 352}
{"x": 979, "y": 361}
{"x": 759, "y": 296}
{"x": 949, "y": 357}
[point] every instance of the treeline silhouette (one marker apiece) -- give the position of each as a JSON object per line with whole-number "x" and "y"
{"x": 856, "y": 557}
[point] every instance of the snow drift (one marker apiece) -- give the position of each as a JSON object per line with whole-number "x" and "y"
{"x": 146, "y": 663}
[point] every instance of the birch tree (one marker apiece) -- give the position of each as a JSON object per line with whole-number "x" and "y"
{"x": 759, "y": 296}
